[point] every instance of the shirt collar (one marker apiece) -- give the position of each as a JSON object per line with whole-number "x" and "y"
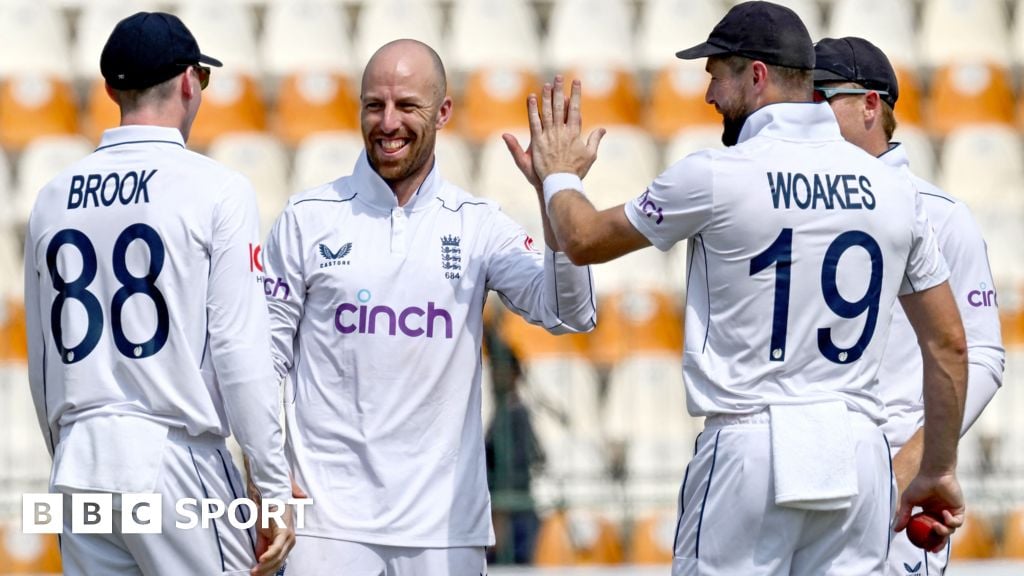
{"x": 376, "y": 192}
{"x": 139, "y": 134}
{"x": 792, "y": 121}
{"x": 896, "y": 156}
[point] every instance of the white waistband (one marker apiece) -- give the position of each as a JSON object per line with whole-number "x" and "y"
{"x": 763, "y": 416}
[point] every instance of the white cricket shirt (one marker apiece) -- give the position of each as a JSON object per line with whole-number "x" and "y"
{"x": 144, "y": 304}
{"x": 800, "y": 243}
{"x": 963, "y": 247}
{"x": 376, "y": 313}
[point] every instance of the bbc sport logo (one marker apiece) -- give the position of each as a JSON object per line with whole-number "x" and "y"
{"x": 93, "y": 513}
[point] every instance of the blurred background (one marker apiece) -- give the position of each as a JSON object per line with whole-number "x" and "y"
{"x": 588, "y": 436}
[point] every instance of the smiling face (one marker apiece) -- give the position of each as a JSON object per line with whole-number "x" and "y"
{"x": 403, "y": 105}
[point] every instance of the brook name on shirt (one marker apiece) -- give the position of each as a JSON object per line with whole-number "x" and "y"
{"x": 109, "y": 189}
{"x": 820, "y": 191}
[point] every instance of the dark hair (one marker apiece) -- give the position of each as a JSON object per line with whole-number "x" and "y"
{"x": 791, "y": 80}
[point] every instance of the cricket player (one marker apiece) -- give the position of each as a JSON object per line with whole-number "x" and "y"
{"x": 376, "y": 284}
{"x": 800, "y": 244}
{"x": 147, "y": 324}
{"x": 860, "y": 85}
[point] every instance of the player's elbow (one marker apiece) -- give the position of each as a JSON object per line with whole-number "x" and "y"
{"x": 579, "y": 250}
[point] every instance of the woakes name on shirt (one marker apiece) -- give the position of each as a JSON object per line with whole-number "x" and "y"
{"x": 820, "y": 191}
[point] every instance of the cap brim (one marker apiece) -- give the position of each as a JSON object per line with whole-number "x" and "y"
{"x": 211, "y": 61}
{"x": 702, "y": 50}
{"x": 821, "y": 75}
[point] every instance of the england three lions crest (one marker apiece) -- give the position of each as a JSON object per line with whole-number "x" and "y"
{"x": 451, "y": 257}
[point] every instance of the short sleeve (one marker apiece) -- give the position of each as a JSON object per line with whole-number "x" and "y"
{"x": 926, "y": 267}
{"x": 679, "y": 204}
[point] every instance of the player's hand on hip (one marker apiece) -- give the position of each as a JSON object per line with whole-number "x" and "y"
{"x": 939, "y": 496}
{"x": 555, "y": 134}
{"x": 274, "y": 543}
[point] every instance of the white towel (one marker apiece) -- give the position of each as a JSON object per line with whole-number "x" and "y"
{"x": 110, "y": 453}
{"x": 812, "y": 456}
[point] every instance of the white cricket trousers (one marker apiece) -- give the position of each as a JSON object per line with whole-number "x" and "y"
{"x": 729, "y": 524}
{"x": 313, "y": 556}
{"x": 192, "y": 467}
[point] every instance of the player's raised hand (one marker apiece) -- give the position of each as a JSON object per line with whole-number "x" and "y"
{"x": 939, "y": 495}
{"x": 555, "y": 134}
{"x": 273, "y": 543}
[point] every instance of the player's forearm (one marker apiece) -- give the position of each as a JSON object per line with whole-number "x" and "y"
{"x": 936, "y": 321}
{"x": 571, "y": 215}
{"x": 945, "y": 387}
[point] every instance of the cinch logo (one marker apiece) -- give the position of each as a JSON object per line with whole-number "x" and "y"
{"x": 412, "y": 321}
{"x": 652, "y": 210}
{"x": 274, "y": 286}
{"x": 982, "y": 298}
{"x": 334, "y": 258}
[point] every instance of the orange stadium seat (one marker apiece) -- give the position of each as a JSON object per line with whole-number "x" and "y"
{"x": 28, "y": 553}
{"x": 33, "y": 106}
{"x": 974, "y": 540}
{"x": 554, "y": 546}
{"x": 651, "y": 541}
{"x": 677, "y": 100}
{"x": 101, "y": 112}
{"x": 494, "y": 100}
{"x": 1013, "y": 535}
{"x": 13, "y": 345}
{"x": 231, "y": 103}
{"x": 529, "y": 341}
{"x": 908, "y": 108}
{"x": 610, "y": 96}
{"x": 310, "y": 102}
{"x": 577, "y": 538}
{"x": 970, "y": 94}
{"x": 636, "y": 322}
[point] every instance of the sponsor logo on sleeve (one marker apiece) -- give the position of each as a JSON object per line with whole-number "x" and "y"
{"x": 276, "y": 288}
{"x": 335, "y": 257}
{"x": 983, "y": 297}
{"x": 650, "y": 208}
{"x": 451, "y": 257}
{"x": 255, "y": 258}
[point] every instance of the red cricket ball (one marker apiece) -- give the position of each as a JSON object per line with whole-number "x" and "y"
{"x": 920, "y": 532}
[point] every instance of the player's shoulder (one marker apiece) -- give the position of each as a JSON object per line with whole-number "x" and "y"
{"x": 454, "y": 199}
{"x": 324, "y": 196}
{"x": 933, "y": 196}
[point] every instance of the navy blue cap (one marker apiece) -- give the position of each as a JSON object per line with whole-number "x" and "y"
{"x": 853, "y": 59}
{"x": 148, "y": 48}
{"x": 761, "y": 31}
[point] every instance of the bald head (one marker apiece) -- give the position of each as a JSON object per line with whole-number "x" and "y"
{"x": 405, "y": 58}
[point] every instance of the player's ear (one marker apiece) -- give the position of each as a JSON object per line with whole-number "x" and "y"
{"x": 872, "y": 106}
{"x": 186, "y": 86}
{"x": 444, "y": 113}
{"x": 759, "y": 73}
